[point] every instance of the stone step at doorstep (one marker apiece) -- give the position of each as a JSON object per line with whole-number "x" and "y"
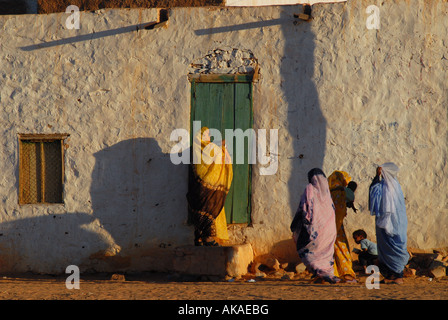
{"x": 232, "y": 261}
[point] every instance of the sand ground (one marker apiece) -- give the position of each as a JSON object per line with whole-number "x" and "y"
{"x": 156, "y": 286}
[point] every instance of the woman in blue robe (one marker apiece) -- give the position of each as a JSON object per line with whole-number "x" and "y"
{"x": 386, "y": 203}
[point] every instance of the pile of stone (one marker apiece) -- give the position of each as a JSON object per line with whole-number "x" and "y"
{"x": 272, "y": 268}
{"x": 433, "y": 265}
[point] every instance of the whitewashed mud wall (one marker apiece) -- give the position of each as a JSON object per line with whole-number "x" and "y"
{"x": 342, "y": 96}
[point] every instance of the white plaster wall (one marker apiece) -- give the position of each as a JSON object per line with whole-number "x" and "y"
{"x": 391, "y": 97}
{"x": 343, "y": 97}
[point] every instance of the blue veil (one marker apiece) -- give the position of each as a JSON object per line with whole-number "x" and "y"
{"x": 386, "y": 203}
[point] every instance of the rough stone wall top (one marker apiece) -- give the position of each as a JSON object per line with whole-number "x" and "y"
{"x": 46, "y": 6}
{"x": 8, "y": 7}
{"x": 225, "y": 61}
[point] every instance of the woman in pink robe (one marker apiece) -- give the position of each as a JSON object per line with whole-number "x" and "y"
{"x": 314, "y": 228}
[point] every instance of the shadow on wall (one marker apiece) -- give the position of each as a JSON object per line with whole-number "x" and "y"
{"x": 136, "y": 215}
{"x": 86, "y": 37}
{"x": 306, "y": 123}
{"x": 134, "y": 195}
{"x": 47, "y": 243}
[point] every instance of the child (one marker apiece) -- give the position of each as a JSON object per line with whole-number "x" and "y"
{"x": 368, "y": 253}
{"x": 350, "y": 195}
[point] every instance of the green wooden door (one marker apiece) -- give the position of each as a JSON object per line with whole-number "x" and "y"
{"x": 228, "y": 105}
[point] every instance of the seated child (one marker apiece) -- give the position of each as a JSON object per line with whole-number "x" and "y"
{"x": 368, "y": 253}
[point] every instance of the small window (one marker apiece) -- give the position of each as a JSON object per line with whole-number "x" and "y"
{"x": 41, "y": 168}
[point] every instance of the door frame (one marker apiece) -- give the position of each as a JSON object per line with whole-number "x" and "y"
{"x": 227, "y": 78}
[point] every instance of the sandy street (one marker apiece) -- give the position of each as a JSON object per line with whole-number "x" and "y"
{"x": 152, "y": 286}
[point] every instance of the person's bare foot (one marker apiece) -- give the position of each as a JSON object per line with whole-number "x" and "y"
{"x": 392, "y": 281}
{"x": 349, "y": 279}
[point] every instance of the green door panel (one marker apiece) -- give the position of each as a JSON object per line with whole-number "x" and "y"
{"x": 228, "y": 105}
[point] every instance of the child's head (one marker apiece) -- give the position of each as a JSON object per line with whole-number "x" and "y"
{"x": 359, "y": 235}
{"x": 352, "y": 185}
